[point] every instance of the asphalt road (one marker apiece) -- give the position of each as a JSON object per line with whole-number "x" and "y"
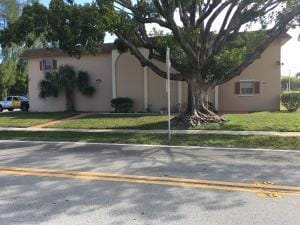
{"x": 34, "y": 199}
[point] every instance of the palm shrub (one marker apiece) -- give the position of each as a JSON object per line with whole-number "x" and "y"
{"x": 65, "y": 80}
{"x": 291, "y": 100}
{"x": 82, "y": 83}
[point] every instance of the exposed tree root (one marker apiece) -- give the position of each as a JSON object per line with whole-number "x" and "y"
{"x": 198, "y": 118}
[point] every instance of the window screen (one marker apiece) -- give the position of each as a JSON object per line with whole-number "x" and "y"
{"x": 48, "y": 64}
{"x": 247, "y": 87}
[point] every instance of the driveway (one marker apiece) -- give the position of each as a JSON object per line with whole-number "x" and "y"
{"x": 43, "y": 183}
{"x": 15, "y": 110}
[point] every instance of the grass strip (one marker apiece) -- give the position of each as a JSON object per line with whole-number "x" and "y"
{"x": 258, "y": 121}
{"x": 271, "y": 142}
{"x": 27, "y": 119}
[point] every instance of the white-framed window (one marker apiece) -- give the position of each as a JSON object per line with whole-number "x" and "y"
{"x": 247, "y": 87}
{"x": 48, "y": 65}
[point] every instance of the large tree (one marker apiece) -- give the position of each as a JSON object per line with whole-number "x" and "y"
{"x": 13, "y": 71}
{"x": 211, "y": 40}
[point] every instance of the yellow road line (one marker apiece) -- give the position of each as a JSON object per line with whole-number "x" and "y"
{"x": 225, "y": 183}
{"x": 193, "y": 183}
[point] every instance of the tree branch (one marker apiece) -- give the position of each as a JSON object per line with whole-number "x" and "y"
{"x": 183, "y": 14}
{"x": 280, "y": 28}
{"x": 146, "y": 62}
{"x": 236, "y": 23}
{"x": 137, "y": 15}
{"x": 182, "y": 41}
{"x": 206, "y": 11}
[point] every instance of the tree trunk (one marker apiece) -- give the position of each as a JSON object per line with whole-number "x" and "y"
{"x": 70, "y": 104}
{"x": 197, "y": 112}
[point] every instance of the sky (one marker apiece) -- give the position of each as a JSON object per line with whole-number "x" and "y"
{"x": 290, "y": 52}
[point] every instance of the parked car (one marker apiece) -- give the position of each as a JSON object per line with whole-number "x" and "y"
{"x": 14, "y": 102}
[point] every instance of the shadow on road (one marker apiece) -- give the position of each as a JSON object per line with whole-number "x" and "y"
{"x": 43, "y": 199}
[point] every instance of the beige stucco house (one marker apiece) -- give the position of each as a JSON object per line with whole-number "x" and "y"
{"x": 114, "y": 75}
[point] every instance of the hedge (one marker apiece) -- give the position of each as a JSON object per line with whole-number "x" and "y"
{"x": 122, "y": 105}
{"x": 291, "y": 100}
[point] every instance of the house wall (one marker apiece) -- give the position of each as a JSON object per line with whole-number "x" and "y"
{"x": 38, "y": 104}
{"x": 130, "y": 83}
{"x": 158, "y": 96}
{"x": 99, "y": 67}
{"x": 265, "y": 70}
{"x": 131, "y": 78}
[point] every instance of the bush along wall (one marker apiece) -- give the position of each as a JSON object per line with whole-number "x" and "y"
{"x": 291, "y": 100}
{"x": 122, "y": 105}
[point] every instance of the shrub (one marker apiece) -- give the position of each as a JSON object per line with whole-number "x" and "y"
{"x": 291, "y": 100}
{"x": 122, "y": 104}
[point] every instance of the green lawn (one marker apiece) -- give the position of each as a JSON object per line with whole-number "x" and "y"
{"x": 195, "y": 140}
{"x": 120, "y": 121}
{"x": 259, "y": 121}
{"x": 27, "y": 119}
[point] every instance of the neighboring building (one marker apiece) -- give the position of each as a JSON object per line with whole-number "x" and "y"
{"x": 114, "y": 75}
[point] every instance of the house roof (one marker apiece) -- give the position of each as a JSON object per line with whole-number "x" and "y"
{"x": 106, "y": 48}
{"x": 56, "y": 52}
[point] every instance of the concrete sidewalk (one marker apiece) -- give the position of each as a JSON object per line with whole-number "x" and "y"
{"x": 135, "y": 131}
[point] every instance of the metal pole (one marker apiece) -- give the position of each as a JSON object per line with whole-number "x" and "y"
{"x": 168, "y": 65}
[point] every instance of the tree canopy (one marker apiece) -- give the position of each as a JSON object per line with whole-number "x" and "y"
{"x": 13, "y": 71}
{"x": 69, "y": 27}
{"x": 211, "y": 41}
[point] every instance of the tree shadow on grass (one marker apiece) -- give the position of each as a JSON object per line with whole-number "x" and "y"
{"x": 97, "y": 121}
{"x": 26, "y": 119}
{"x": 44, "y": 199}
